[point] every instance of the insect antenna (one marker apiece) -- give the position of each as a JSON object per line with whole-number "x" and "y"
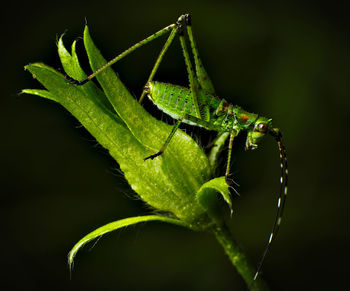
{"x": 281, "y": 198}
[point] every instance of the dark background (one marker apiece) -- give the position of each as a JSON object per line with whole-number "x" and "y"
{"x": 286, "y": 61}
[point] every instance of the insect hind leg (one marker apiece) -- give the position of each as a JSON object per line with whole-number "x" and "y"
{"x": 160, "y": 57}
{"x": 202, "y": 75}
{"x": 169, "y": 28}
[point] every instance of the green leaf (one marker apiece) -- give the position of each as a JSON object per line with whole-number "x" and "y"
{"x": 207, "y": 196}
{"x": 117, "y": 225}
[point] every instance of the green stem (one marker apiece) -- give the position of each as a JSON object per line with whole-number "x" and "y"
{"x": 238, "y": 258}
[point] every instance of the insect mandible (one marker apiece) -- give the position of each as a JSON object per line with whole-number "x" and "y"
{"x": 198, "y": 105}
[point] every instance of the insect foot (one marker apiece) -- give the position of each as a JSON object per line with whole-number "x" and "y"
{"x": 153, "y": 156}
{"x": 75, "y": 82}
{"x": 228, "y": 181}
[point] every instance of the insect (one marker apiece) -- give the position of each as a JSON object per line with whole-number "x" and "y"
{"x": 198, "y": 105}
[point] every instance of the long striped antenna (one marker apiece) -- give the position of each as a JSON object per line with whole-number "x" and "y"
{"x": 281, "y": 197}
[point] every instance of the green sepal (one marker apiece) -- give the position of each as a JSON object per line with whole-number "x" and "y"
{"x": 41, "y": 93}
{"x": 184, "y": 165}
{"x": 207, "y": 197}
{"x": 177, "y": 182}
{"x": 117, "y": 225}
{"x": 168, "y": 183}
{"x": 71, "y": 66}
{"x": 182, "y": 152}
{"x": 217, "y": 147}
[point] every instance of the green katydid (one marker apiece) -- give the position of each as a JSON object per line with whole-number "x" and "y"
{"x": 199, "y": 106}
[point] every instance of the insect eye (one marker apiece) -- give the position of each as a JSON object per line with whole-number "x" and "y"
{"x": 261, "y": 127}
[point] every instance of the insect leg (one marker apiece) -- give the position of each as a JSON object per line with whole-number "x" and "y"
{"x": 175, "y": 127}
{"x": 194, "y": 85}
{"x": 232, "y": 136}
{"x": 159, "y": 59}
{"x": 148, "y": 39}
{"x": 202, "y": 75}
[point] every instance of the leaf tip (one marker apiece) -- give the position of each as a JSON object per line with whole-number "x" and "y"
{"x": 60, "y": 39}
{"x": 28, "y": 67}
{"x": 24, "y": 91}
{"x": 62, "y": 51}
{"x": 70, "y": 261}
{"x": 86, "y": 31}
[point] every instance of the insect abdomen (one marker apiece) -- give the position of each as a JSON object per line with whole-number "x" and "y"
{"x": 171, "y": 99}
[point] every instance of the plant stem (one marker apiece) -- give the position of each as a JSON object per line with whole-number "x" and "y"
{"x": 238, "y": 258}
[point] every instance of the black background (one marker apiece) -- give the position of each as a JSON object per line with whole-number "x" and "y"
{"x": 288, "y": 61}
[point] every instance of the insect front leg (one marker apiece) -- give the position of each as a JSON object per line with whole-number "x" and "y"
{"x": 175, "y": 127}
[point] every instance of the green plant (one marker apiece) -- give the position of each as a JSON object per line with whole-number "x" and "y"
{"x": 179, "y": 184}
